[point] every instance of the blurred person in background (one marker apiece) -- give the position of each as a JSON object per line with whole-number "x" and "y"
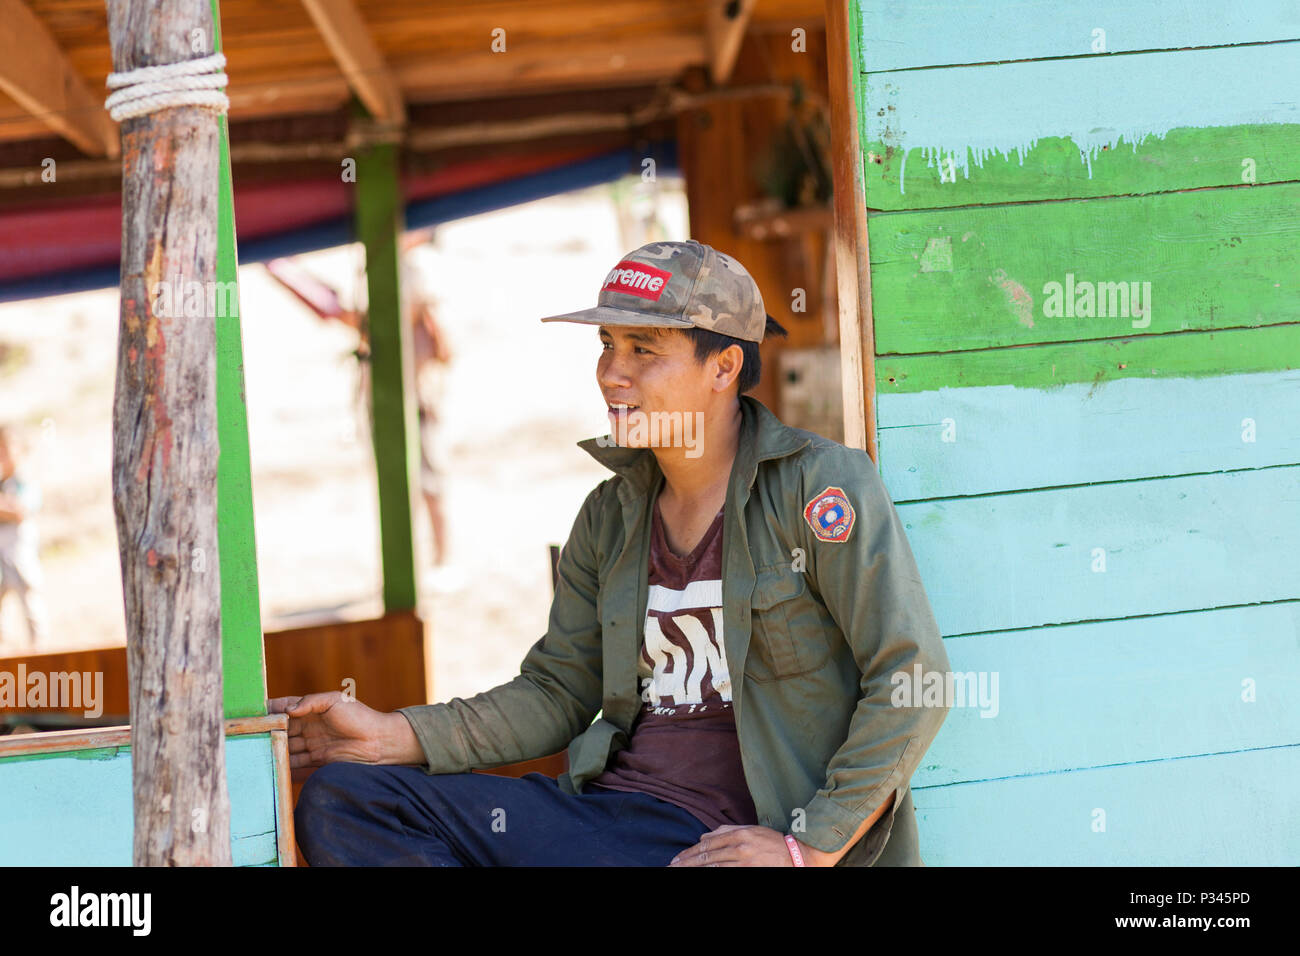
{"x": 20, "y": 567}
{"x": 432, "y": 357}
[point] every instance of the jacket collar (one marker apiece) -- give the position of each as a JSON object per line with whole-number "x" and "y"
{"x": 762, "y": 436}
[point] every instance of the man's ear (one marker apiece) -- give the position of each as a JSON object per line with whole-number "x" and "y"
{"x": 730, "y": 361}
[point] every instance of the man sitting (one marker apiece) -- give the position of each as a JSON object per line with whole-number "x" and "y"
{"x": 731, "y": 608}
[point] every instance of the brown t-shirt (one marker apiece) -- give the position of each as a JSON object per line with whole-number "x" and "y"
{"x": 683, "y": 747}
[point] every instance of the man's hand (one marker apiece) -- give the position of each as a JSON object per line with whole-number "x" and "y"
{"x": 743, "y": 846}
{"x": 326, "y": 728}
{"x": 763, "y": 846}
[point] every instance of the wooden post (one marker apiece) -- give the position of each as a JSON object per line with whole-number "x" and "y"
{"x": 852, "y": 259}
{"x": 379, "y": 218}
{"x": 165, "y": 450}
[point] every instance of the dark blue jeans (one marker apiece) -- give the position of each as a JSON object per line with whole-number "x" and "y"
{"x": 352, "y": 814}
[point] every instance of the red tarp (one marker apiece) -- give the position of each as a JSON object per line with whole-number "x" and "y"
{"x": 75, "y": 235}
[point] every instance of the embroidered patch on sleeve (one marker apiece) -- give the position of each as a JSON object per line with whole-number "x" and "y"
{"x": 830, "y": 515}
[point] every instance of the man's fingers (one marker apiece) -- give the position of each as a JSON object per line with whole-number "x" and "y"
{"x": 311, "y": 752}
{"x": 712, "y": 855}
{"x": 717, "y": 847}
{"x": 301, "y": 760}
{"x": 302, "y": 710}
{"x": 316, "y": 750}
{"x": 692, "y": 852}
{"x": 311, "y": 738}
{"x": 314, "y": 704}
{"x": 304, "y": 705}
{"x": 717, "y": 839}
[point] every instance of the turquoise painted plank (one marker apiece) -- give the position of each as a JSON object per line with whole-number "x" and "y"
{"x": 67, "y": 810}
{"x": 250, "y": 779}
{"x": 971, "y": 113}
{"x": 1237, "y": 809}
{"x": 967, "y": 441}
{"x": 898, "y": 36}
{"x": 1173, "y": 544}
{"x": 1089, "y": 695}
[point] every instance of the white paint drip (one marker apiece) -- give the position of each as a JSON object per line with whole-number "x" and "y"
{"x": 962, "y": 157}
{"x": 966, "y": 115}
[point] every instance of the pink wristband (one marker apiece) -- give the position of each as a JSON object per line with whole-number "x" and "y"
{"x": 795, "y": 855}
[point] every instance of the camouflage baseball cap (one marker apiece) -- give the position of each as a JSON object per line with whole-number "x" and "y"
{"x": 678, "y": 285}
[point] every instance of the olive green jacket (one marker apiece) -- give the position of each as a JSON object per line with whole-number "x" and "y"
{"x": 816, "y": 629}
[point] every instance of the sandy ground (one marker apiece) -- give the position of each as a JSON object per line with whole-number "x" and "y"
{"x": 520, "y": 394}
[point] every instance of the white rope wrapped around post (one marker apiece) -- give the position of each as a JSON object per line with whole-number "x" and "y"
{"x": 152, "y": 88}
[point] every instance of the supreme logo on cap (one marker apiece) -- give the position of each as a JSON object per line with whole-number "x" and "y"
{"x": 637, "y": 278}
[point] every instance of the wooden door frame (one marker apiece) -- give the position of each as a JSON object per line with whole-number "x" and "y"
{"x": 852, "y": 254}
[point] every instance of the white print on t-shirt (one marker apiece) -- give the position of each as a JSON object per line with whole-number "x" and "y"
{"x": 680, "y": 663}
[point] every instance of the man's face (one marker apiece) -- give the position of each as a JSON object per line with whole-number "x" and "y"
{"x": 653, "y": 370}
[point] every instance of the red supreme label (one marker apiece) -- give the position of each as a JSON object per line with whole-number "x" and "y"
{"x": 636, "y": 278}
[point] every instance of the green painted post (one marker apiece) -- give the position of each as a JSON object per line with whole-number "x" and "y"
{"x": 379, "y": 220}
{"x": 242, "y": 662}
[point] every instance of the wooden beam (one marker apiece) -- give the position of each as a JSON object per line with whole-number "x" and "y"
{"x": 488, "y": 128}
{"x": 348, "y": 37}
{"x": 524, "y": 69}
{"x": 530, "y": 67}
{"x": 67, "y": 741}
{"x": 852, "y": 257}
{"x": 165, "y": 451}
{"x": 305, "y": 92}
{"x": 724, "y": 31}
{"x": 40, "y": 78}
{"x": 285, "y": 846}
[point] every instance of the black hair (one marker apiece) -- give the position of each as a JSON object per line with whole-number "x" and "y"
{"x": 709, "y": 343}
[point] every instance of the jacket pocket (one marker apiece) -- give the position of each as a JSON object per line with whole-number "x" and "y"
{"x": 779, "y": 644}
